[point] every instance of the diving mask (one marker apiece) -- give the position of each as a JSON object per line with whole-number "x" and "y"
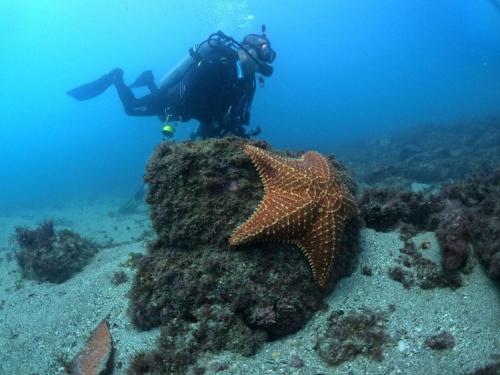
{"x": 262, "y": 47}
{"x": 266, "y": 53}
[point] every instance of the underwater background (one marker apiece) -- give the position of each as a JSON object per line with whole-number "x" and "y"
{"x": 124, "y": 252}
{"x": 345, "y": 70}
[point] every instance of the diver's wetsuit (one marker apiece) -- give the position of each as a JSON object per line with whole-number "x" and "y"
{"x": 213, "y": 90}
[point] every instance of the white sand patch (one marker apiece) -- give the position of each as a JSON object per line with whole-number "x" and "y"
{"x": 471, "y": 314}
{"x": 97, "y": 221}
{"x": 40, "y": 322}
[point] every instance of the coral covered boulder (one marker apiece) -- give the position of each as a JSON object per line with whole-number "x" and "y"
{"x": 49, "y": 255}
{"x": 465, "y": 216}
{"x": 427, "y": 154}
{"x": 386, "y": 210}
{"x": 471, "y": 223}
{"x": 223, "y": 298}
{"x": 200, "y": 191}
{"x": 355, "y": 333}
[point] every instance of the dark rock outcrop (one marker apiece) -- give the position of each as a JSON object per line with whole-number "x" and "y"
{"x": 49, "y": 255}
{"x": 465, "y": 216}
{"x": 193, "y": 285}
{"x": 354, "y": 333}
{"x": 429, "y": 154}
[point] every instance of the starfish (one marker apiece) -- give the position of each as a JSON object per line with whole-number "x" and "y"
{"x": 305, "y": 203}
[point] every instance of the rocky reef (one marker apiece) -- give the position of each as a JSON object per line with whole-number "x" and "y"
{"x": 49, "y": 255}
{"x": 470, "y": 224}
{"x": 386, "y": 210}
{"x": 426, "y": 154}
{"x": 464, "y": 216}
{"x": 203, "y": 294}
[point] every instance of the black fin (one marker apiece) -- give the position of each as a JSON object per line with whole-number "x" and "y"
{"x": 92, "y": 89}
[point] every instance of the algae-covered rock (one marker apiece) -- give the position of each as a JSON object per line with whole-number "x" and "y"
{"x": 347, "y": 335}
{"x": 472, "y": 217}
{"x": 49, "y": 255}
{"x": 226, "y": 298}
{"x": 199, "y": 191}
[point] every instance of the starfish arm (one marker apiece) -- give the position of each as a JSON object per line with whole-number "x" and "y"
{"x": 305, "y": 203}
{"x": 278, "y": 172}
{"x": 344, "y": 204}
{"x": 320, "y": 246}
{"x": 318, "y": 165}
{"x": 279, "y": 217}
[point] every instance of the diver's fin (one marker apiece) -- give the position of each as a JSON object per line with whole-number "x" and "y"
{"x": 92, "y": 89}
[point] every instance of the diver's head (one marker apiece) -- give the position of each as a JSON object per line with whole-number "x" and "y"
{"x": 262, "y": 47}
{"x": 259, "y": 47}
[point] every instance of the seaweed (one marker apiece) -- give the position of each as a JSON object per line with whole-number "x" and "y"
{"x": 49, "y": 255}
{"x": 353, "y": 333}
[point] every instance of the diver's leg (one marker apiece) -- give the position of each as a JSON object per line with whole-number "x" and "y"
{"x": 145, "y": 79}
{"x": 232, "y": 128}
{"x": 205, "y": 130}
{"x": 132, "y": 105}
{"x": 151, "y": 85}
{"x": 200, "y": 132}
{"x": 254, "y": 132}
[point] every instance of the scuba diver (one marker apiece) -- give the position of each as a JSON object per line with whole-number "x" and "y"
{"x": 214, "y": 84}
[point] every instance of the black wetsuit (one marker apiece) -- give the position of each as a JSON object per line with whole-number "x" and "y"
{"x": 213, "y": 91}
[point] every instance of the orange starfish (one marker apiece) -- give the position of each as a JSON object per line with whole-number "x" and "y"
{"x": 305, "y": 204}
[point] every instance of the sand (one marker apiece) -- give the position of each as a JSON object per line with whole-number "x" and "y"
{"x": 44, "y": 323}
{"x": 471, "y": 314}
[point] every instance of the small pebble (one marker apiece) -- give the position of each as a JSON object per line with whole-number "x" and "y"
{"x": 441, "y": 341}
{"x": 219, "y": 366}
{"x": 425, "y": 245}
{"x": 367, "y": 271}
{"x": 402, "y": 346}
{"x": 296, "y": 361}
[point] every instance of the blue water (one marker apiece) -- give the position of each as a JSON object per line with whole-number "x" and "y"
{"x": 345, "y": 69}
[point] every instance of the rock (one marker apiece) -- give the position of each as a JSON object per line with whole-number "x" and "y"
{"x": 296, "y": 361}
{"x": 96, "y": 357}
{"x": 50, "y": 255}
{"x": 441, "y": 341}
{"x": 222, "y": 298}
{"x": 348, "y": 335}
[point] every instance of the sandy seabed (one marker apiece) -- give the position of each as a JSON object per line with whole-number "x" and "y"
{"x": 42, "y": 323}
